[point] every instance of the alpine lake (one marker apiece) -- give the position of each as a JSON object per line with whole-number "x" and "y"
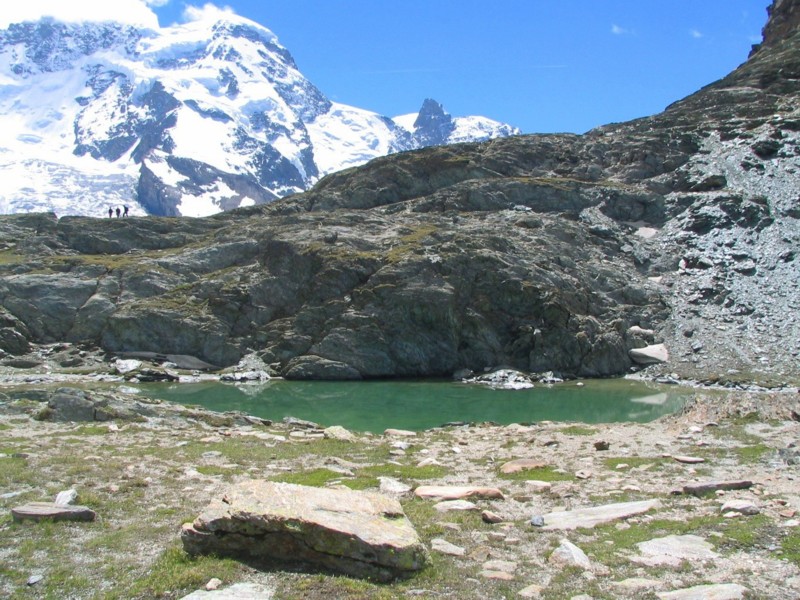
{"x": 424, "y": 404}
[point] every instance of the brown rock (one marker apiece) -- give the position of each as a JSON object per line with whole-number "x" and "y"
{"x": 444, "y": 492}
{"x": 521, "y": 464}
{"x": 37, "y": 511}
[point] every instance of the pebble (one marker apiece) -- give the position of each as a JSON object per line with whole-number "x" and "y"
{"x": 213, "y": 584}
{"x": 490, "y": 517}
{"x": 34, "y": 579}
{"x": 537, "y": 521}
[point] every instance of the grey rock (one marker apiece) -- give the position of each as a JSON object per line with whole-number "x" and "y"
{"x": 569, "y": 555}
{"x": 356, "y": 533}
{"x": 672, "y": 550}
{"x": 445, "y": 547}
{"x": 719, "y": 591}
{"x": 590, "y": 517}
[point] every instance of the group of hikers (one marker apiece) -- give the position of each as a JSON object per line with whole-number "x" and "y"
{"x": 121, "y": 212}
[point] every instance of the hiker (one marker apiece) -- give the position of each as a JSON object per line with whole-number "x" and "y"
{"x": 125, "y": 210}
{"x": 118, "y": 212}
{"x": 110, "y": 212}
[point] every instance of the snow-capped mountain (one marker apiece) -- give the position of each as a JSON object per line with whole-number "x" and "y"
{"x": 186, "y": 120}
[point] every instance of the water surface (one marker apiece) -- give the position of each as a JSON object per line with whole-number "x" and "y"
{"x": 416, "y": 405}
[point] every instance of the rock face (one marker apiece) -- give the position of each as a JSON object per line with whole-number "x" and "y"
{"x": 356, "y": 533}
{"x": 560, "y": 253}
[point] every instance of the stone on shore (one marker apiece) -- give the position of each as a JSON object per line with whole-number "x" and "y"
{"x": 596, "y": 515}
{"x": 355, "y": 533}
{"x": 650, "y": 355}
{"x": 445, "y": 492}
{"x": 38, "y": 511}
{"x": 337, "y": 432}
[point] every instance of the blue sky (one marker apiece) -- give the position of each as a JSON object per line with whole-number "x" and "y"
{"x": 541, "y": 65}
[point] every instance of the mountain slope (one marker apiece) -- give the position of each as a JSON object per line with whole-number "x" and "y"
{"x": 563, "y": 253}
{"x": 187, "y": 120}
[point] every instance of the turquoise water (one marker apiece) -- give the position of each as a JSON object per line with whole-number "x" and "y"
{"x": 416, "y": 405}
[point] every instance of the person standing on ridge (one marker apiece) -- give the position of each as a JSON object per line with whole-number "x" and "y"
{"x": 110, "y": 212}
{"x": 125, "y": 210}
{"x": 118, "y": 212}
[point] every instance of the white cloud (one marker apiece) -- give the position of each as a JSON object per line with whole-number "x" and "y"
{"x": 617, "y": 30}
{"x": 133, "y": 12}
{"x": 695, "y": 34}
{"x": 207, "y": 12}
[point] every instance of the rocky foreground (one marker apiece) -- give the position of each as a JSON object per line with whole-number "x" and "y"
{"x": 699, "y": 505}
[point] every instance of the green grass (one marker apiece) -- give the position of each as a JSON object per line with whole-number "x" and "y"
{"x": 176, "y": 571}
{"x": 549, "y": 474}
{"x": 577, "y": 430}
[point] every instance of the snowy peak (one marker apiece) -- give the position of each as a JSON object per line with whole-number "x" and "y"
{"x": 188, "y": 120}
{"x": 434, "y": 126}
{"x": 47, "y": 46}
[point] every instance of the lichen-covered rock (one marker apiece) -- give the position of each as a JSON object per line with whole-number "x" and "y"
{"x": 355, "y": 533}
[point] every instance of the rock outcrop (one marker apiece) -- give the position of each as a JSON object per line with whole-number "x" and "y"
{"x": 559, "y": 253}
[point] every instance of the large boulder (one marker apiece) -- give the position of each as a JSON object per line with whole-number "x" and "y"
{"x": 356, "y": 533}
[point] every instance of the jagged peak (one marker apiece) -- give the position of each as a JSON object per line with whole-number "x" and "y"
{"x": 783, "y": 23}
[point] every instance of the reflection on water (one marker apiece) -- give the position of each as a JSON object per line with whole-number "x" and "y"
{"x": 377, "y": 405}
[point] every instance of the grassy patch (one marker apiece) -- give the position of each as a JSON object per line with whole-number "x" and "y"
{"x": 577, "y": 430}
{"x": 313, "y": 478}
{"x": 790, "y": 547}
{"x": 176, "y": 571}
{"x": 538, "y": 474}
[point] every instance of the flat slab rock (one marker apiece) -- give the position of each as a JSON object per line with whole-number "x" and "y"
{"x": 447, "y": 492}
{"x": 596, "y": 515}
{"x": 521, "y": 464}
{"x": 720, "y": 591}
{"x": 38, "y": 511}
{"x": 355, "y": 533}
{"x": 672, "y": 550}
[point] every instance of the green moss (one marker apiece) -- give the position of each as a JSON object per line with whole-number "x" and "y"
{"x": 577, "y": 430}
